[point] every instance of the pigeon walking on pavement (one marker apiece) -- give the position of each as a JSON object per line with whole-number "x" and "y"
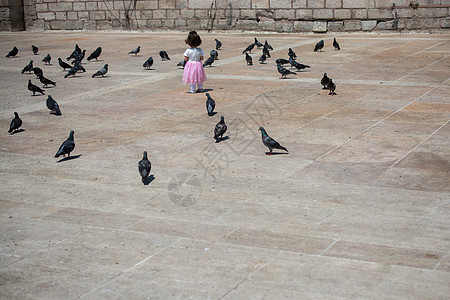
{"x": 63, "y": 64}
{"x": 164, "y": 55}
{"x": 266, "y": 51}
{"x": 46, "y": 81}
{"x": 101, "y": 72}
{"x": 135, "y": 51}
{"x": 292, "y": 54}
{"x": 208, "y": 62}
{"x": 34, "y": 88}
{"x": 248, "y": 59}
{"x": 15, "y": 124}
{"x": 331, "y": 87}
{"x": 95, "y": 54}
{"x": 249, "y": 48}
{"x": 262, "y": 59}
{"x": 270, "y": 142}
{"x": 37, "y": 71}
{"x": 67, "y": 146}
{"x": 53, "y": 106}
{"x": 181, "y": 63}
{"x": 267, "y": 45}
{"x": 144, "y": 167}
{"x": 324, "y": 81}
{"x": 47, "y": 59}
{"x": 218, "y": 44}
{"x": 336, "y": 45}
{"x": 148, "y": 63}
{"x": 258, "y": 44}
{"x": 214, "y": 53}
{"x": 13, "y": 52}
{"x": 220, "y": 130}
{"x": 210, "y": 105}
{"x": 35, "y": 49}
{"x": 297, "y": 65}
{"x": 75, "y": 52}
{"x": 28, "y": 68}
{"x": 319, "y": 46}
{"x": 284, "y": 72}
{"x": 72, "y": 71}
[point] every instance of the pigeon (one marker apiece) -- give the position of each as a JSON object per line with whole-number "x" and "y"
{"x": 208, "y": 62}
{"x": 249, "y": 60}
{"x": 210, "y": 105}
{"x": 28, "y": 68}
{"x": 34, "y": 88}
{"x": 331, "y": 87}
{"x": 79, "y": 57}
{"x": 135, "y": 51}
{"x": 282, "y": 61}
{"x": 46, "y": 81}
{"x": 72, "y": 71}
{"x": 249, "y": 48}
{"x": 266, "y": 51}
{"x": 262, "y": 59}
{"x": 220, "y": 129}
{"x": 284, "y": 71}
{"x": 15, "y": 123}
{"x": 53, "y": 106}
{"x": 270, "y": 142}
{"x": 324, "y": 81}
{"x": 336, "y": 45}
{"x": 79, "y": 67}
{"x": 164, "y": 55}
{"x": 37, "y": 72}
{"x": 144, "y": 167}
{"x": 95, "y": 54}
{"x": 218, "y": 44}
{"x": 148, "y": 63}
{"x": 181, "y": 63}
{"x": 101, "y": 72}
{"x": 267, "y": 45}
{"x": 319, "y": 46}
{"x": 47, "y": 59}
{"x": 63, "y": 64}
{"x": 292, "y": 54}
{"x": 214, "y": 53}
{"x": 35, "y": 49}
{"x": 13, "y": 52}
{"x": 67, "y": 146}
{"x": 297, "y": 65}
{"x": 258, "y": 44}
{"x": 75, "y": 52}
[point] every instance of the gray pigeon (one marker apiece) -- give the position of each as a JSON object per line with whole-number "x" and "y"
{"x": 28, "y": 68}
{"x": 53, "y": 106}
{"x": 144, "y": 167}
{"x": 258, "y": 44}
{"x": 208, "y": 62}
{"x": 79, "y": 67}
{"x": 249, "y": 48}
{"x": 249, "y": 59}
{"x": 270, "y": 142}
{"x": 267, "y": 45}
{"x": 135, "y": 51}
{"x": 148, "y": 63}
{"x": 220, "y": 129}
{"x": 13, "y": 52}
{"x": 101, "y": 72}
{"x": 35, "y": 49}
{"x": 164, "y": 55}
{"x": 15, "y": 123}
{"x": 218, "y": 44}
{"x": 63, "y": 64}
{"x": 67, "y": 146}
{"x": 284, "y": 72}
{"x": 72, "y": 71}
{"x": 210, "y": 105}
{"x": 324, "y": 81}
{"x": 47, "y": 59}
{"x": 262, "y": 59}
{"x": 34, "y": 88}
{"x": 297, "y": 65}
{"x": 181, "y": 63}
{"x": 215, "y": 54}
{"x": 331, "y": 87}
{"x": 319, "y": 46}
{"x": 46, "y": 81}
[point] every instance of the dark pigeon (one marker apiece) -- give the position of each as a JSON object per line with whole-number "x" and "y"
{"x": 144, "y": 167}
{"x": 249, "y": 48}
{"x": 331, "y": 87}
{"x": 270, "y": 142}
{"x": 63, "y": 64}
{"x": 210, "y": 105}
{"x": 292, "y": 54}
{"x": 267, "y": 45}
{"x": 95, "y": 54}
{"x": 284, "y": 72}
{"x": 209, "y": 61}
{"x": 37, "y": 71}
{"x": 46, "y": 81}
{"x": 53, "y": 106}
{"x": 220, "y": 130}
{"x": 336, "y": 45}
{"x": 297, "y": 65}
{"x": 181, "y": 63}
{"x": 75, "y": 52}
{"x": 281, "y": 61}
{"x": 258, "y": 44}
{"x": 13, "y": 52}
{"x": 324, "y": 81}
{"x": 35, "y": 89}
{"x": 148, "y": 63}
{"x": 266, "y": 51}
{"x": 67, "y": 146}
{"x": 215, "y": 54}
{"x": 248, "y": 59}
{"x": 72, "y": 71}
{"x": 218, "y": 44}
{"x": 164, "y": 55}
{"x": 28, "y": 68}
{"x": 15, "y": 123}
{"x": 262, "y": 59}
{"x": 319, "y": 46}
{"x": 79, "y": 57}
{"x": 101, "y": 72}
{"x": 35, "y": 49}
{"x": 79, "y": 67}
{"x": 47, "y": 59}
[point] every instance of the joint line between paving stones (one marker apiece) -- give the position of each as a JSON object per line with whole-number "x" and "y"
{"x": 424, "y": 67}
{"x": 332, "y": 244}
{"x": 129, "y": 269}
{"x": 439, "y": 262}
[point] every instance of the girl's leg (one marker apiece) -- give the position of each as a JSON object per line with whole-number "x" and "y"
{"x": 200, "y": 86}
{"x": 192, "y": 90}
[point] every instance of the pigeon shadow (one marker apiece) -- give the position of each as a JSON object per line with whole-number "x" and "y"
{"x": 223, "y": 139}
{"x": 149, "y": 180}
{"x": 55, "y": 114}
{"x": 149, "y": 69}
{"x": 212, "y": 114}
{"x": 106, "y": 76}
{"x": 277, "y": 153}
{"x": 37, "y": 95}
{"x": 204, "y": 90}
{"x": 17, "y": 131}
{"x": 69, "y": 158}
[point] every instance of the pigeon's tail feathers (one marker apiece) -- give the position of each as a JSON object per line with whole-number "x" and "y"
{"x": 283, "y": 148}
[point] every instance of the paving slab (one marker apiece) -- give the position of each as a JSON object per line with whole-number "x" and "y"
{"x": 359, "y": 208}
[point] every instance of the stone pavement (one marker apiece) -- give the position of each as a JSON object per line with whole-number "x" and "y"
{"x": 359, "y": 208}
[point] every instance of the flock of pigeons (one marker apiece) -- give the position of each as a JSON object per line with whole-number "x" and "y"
{"x": 144, "y": 165}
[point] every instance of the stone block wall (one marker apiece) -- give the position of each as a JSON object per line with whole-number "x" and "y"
{"x": 255, "y": 15}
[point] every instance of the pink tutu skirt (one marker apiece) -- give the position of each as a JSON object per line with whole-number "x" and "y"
{"x": 194, "y": 72}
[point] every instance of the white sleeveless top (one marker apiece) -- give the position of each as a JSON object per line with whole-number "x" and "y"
{"x": 194, "y": 54}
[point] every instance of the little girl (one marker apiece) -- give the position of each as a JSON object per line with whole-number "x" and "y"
{"x": 193, "y": 69}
